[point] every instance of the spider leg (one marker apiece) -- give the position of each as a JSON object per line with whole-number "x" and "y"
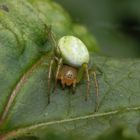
{"x": 88, "y": 81}
{"x": 96, "y": 91}
{"x": 63, "y": 84}
{"x": 73, "y": 87}
{"x": 81, "y": 71}
{"x": 49, "y": 78}
{"x": 57, "y": 72}
{"x": 52, "y": 38}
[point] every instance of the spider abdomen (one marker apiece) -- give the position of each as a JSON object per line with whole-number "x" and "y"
{"x": 73, "y": 51}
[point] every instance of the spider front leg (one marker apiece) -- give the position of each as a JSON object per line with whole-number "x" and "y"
{"x": 49, "y": 78}
{"x": 82, "y": 70}
{"x": 57, "y": 72}
{"x": 74, "y": 86}
{"x": 88, "y": 80}
{"x": 92, "y": 72}
{"x": 50, "y": 75}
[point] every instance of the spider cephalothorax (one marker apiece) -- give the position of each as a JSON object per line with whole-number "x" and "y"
{"x": 68, "y": 76}
{"x": 72, "y": 58}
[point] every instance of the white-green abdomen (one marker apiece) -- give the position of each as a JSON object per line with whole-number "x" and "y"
{"x": 73, "y": 51}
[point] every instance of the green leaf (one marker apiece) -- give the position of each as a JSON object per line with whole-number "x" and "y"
{"x": 24, "y": 59}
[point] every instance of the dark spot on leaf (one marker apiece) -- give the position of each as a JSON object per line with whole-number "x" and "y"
{"x": 26, "y": 138}
{"x": 138, "y": 127}
{"x": 4, "y": 7}
{"x": 130, "y": 26}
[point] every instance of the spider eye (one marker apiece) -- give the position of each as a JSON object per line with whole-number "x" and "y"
{"x": 69, "y": 75}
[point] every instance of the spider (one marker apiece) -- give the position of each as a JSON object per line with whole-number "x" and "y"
{"x": 72, "y": 58}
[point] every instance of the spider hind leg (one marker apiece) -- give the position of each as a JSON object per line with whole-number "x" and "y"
{"x": 96, "y": 85}
{"x": 49, "y": 78}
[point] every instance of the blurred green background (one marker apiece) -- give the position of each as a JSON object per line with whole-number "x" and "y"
{"x": 114, "y": 23}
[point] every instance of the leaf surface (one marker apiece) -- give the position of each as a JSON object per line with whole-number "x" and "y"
{"x": 24, "y": 60}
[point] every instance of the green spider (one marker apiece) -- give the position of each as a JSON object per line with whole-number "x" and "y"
{"x": 71, "y": 57}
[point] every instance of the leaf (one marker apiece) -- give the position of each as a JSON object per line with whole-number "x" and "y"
{"x": 24, "y": 59}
